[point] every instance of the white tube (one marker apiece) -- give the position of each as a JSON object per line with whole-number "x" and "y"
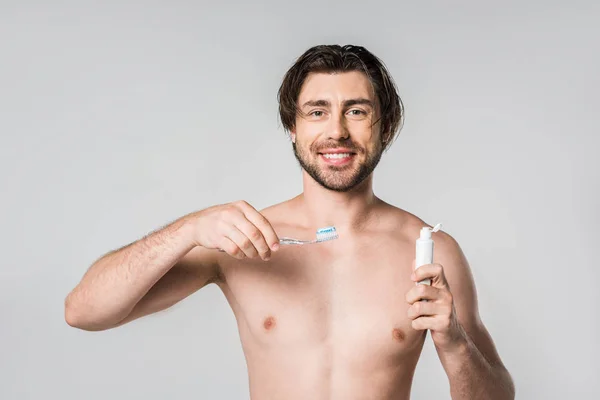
{"x": 424, "y": 249}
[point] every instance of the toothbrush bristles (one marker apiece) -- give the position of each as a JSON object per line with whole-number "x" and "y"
{"x": 326, "y": 234}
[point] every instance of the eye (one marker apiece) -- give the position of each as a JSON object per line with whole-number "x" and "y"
{"x": 357, "y": 112}
{"x": 316, "y": 113}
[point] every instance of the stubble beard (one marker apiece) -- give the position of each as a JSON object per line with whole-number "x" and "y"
{"x": 338, "y": 178}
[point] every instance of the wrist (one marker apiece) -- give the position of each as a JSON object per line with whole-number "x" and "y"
{"x": 189, "y": 228}
{"x": 454, "y": 355}
{"x": 459, "y": 346}
{"x": 462, "y": 346}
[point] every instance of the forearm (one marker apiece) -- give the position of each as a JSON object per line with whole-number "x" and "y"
{"x": 115, "y": 283}
{"x": 471, "y": 376}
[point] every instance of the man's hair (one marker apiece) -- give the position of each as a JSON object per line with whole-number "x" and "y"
{"x": 338, "y": 59}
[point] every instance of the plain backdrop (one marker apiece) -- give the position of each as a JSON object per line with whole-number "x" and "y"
{"x": 118, "y": 117}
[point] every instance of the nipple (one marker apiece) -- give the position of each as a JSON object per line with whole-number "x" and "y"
{"x": 398, "y": 335}
{"x": 269, "y": 323}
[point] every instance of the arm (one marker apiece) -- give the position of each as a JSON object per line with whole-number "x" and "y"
{"x": 463, "y": 344}
{"x": 474, "y": 368}
{"x": 166, "y": 266}
{"x": 144, "y": 277}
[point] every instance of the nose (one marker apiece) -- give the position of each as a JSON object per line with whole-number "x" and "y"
{"x": 337, "y": 129}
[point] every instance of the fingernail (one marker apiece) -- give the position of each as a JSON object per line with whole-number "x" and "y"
{"x": 275, "y": 247}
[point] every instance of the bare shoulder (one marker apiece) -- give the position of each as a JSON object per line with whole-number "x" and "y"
{"x": 400, "y": 222}
{"x": 447, "y": 252}
{"x": 411, "y": 224}
{"x": 276, "y": 213}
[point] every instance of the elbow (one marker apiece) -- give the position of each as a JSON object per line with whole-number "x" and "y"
{"x": 508, "y": 384}
{"x": 511, "y": 390}
{"x": 74, "y": 317}
{"x": 77, "y": 317}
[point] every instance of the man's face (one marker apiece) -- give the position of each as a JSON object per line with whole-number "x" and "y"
{"x": 335, "y": 140}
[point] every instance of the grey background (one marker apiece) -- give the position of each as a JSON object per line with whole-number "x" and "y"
{"x": 118, "y": 117}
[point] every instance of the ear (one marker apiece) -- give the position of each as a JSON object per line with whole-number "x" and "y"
{"x": 293, "y": 136}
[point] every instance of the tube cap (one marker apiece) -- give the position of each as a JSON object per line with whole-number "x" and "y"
{"x": 426, "y": 231}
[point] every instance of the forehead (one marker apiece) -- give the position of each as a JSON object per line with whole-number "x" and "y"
{"x": 332, "y": 86}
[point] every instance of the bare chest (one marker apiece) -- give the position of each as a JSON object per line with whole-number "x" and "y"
{"x": 303, "y": 299}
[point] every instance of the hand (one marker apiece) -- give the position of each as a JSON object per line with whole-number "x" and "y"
{"x": 437, "y": 313}
{"x": 238, "y": 229}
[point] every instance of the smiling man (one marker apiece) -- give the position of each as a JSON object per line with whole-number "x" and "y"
{"x": 343, "y": 319}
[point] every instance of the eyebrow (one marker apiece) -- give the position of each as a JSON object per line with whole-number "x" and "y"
{"x": 345, "y": 103}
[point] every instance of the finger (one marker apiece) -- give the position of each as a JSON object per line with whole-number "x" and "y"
{"x": 423, "y": 323}
{"x": 422, "y": 292}
{"x": 265, "y": 227}
{"x": 421, "y": 309}
{"x": 241, "y": 240}
{"x": 425, "y": 281}
{"x": 254, "y": 235}
{"x": 435, "y": 323}
{"x": 229, "y": 247}
{"x": 435, "y": 272}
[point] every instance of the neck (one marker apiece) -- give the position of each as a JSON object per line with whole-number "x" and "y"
{"x": 344, "y": 210}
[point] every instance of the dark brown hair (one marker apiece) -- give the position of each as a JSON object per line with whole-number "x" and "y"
{"x": 337, "y": 59}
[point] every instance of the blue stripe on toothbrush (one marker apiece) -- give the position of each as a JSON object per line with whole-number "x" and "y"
{"x": 326, "y": 230}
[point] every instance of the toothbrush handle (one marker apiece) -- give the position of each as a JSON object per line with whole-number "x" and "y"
{"x": 285, "y": 240}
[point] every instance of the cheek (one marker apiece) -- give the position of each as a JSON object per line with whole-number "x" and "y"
{"x": 364, "y": 132}
{"x": 375, "y": 135}
{"x": 312, "y": 131}
{"x": 306, "y": 140}
{"x": 303, "y": 147}
{"x": 369, "y": 143}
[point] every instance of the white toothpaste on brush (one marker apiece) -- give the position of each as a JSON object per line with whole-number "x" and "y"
{"x": 424, "y": 249}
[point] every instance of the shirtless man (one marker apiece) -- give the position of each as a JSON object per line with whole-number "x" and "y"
{"x": 343, "y": 319}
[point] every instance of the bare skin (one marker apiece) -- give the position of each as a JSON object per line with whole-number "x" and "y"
{"x": 342, "y": 319}
{"x": 334, "y": 315}
{"x": 329, "y": 321}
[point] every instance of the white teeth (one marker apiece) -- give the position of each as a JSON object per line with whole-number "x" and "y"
{"x": 336, "y": 155}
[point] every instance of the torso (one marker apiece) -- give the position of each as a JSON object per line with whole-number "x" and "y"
{"x": 328, "y": 320}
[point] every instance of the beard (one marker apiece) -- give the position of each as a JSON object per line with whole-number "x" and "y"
{"x": 338, "y": 178}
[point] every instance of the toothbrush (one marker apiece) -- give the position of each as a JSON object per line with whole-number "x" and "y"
{"x": 323, "y": 235}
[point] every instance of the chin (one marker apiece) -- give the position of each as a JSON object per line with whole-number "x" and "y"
{"x": 346, "y": 184}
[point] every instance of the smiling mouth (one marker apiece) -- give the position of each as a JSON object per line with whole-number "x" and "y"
{"x": 337, "y": 155}
{"x": 337, "y": 158}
